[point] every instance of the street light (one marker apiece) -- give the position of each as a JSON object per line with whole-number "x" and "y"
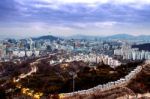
{"x": 74, "y": 75}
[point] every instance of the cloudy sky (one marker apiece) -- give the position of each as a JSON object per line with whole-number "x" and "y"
{"x": 69, "y": 17}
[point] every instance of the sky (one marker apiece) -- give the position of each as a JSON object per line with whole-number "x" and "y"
{"x": 27, "y": 18}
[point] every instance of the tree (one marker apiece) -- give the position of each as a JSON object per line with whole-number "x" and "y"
{"x": 2, "y": 94}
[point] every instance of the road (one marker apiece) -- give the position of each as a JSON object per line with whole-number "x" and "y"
{"x": 34, "y": 69}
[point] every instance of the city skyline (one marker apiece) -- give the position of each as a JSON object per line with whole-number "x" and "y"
{"x": 24, "y": 18}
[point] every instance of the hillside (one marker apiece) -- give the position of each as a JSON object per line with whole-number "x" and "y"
{"x": 47, "y": 37}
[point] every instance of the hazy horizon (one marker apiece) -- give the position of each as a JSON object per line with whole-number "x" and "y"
{"x": 30, "y": 18}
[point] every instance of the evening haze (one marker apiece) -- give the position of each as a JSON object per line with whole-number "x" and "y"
{"x": 25, "y": 18}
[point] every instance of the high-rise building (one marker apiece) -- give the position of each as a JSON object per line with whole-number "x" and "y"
{"x": 2, "y": 51}
{"x": 132, "y": 53}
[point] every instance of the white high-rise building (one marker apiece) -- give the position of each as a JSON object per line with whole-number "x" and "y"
{"x": 134, "y": 54}
{"x": 31, "y": 44}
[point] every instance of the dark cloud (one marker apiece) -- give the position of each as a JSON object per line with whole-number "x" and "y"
{"x": 12, "y": 12}
{"x": 8, "y": 9}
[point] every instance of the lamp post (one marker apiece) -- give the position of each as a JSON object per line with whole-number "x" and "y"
{"x": 73, "y": 74}
{"x": 73, "y": 83}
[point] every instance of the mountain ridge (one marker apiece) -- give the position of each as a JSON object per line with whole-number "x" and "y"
{"x": 47, "y": 37}
{"x": 116, "y": 36}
